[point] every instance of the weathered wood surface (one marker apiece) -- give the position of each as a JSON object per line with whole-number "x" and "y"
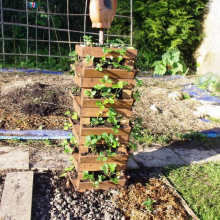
{"x": 90, "y": 163}
{"x": 121, "y": 148}
{"x": 16, "y": 202}
{"x": 93, "y": 111}
{"x": 123, "y": 139}
{"x": 98, "y": 52}
{"x": 99, "y": 131}
{"x": 91, "y": 82}
{"x": 91, "y": 103}
{"x": 83, "y": 186}
{"x": 112, "y": 73}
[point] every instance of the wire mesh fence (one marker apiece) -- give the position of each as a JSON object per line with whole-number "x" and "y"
{"x": 44, "y": 29}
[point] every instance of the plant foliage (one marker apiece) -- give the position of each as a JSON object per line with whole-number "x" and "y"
{"x": 161, "y": 25}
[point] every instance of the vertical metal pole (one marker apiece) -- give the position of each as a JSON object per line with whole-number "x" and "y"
{"x": 68, "y": 24}
{"x": 85, "y": 17}
{"x": 2, "y": 28}
{"x": 48, "y": 20}
{"x": 27, "y": 32}
{"x": 36, "y": 34}
{"x": 131, "y": 6}
{"x": 101, "y": 36}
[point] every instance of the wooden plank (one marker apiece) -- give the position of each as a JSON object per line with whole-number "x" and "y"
{"x": 76, "y": 105}
{"x": 112, "y": 73}
{"x": 98, "y": 52}
{"x": 93, "y": 112}
{"x": 78, "y": 80}
{"x": 123, "y": 139}
{"x": 98, "y": 131}
{"x": 90, "y": 109}
{"x": 91, "y": 82}
{"x": 119, "y": 103}
{"x": 75, "y": 161}
{"x": 83, "y": 186}
{"x": 90, "y": 163}
{"x": 16, "y": 202}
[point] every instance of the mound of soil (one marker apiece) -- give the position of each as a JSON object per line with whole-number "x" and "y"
{"x": 34, "y": 101}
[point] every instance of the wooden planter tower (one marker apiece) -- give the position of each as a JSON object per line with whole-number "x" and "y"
{"x": 86, "y": 108}
{"x": 86, "y": 78}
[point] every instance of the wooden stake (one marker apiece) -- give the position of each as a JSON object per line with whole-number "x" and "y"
{"x": 101, "y": 36}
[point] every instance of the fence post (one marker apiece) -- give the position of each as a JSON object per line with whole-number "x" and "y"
{"x": 3, "y": 38}
{"x": 27, "y": 32}
{"x": 48, "y": 20}
{"x": 68, "y": 24}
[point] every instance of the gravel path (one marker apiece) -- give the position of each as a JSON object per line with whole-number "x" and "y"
{"x": 53, "y": 200}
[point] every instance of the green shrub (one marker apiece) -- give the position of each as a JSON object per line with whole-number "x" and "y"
{"x": 161, "y": 25}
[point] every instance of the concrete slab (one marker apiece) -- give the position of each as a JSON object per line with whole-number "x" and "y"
{"x": 197, "y": 155}
{"x": 17, "y": 196}
{"x": 53, "y": 159}
{"x": 12, "y": 157}
{"x": 132, "y": 164}
{"x": 154, "y": 157}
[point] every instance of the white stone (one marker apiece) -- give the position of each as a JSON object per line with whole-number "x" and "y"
{"x": 153, "y": 108}
{"x": 209, "y": 110}
{"x": 175, "y": 95}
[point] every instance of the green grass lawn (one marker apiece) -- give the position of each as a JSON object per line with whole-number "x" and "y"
{"x": 199, "y": 185}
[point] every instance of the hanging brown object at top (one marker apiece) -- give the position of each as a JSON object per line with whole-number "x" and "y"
{"x": 102, "y": 13}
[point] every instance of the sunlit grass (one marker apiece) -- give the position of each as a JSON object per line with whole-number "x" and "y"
{"x": 199, "y": 185}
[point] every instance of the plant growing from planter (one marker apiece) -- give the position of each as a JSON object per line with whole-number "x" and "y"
{"x": 106, "y": 98}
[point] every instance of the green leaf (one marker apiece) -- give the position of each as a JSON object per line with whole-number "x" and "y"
{"x": 160, "y": 69}
{"x": 63, "y": 175}
{"x": 98, "y": 87}
{"x": 111, "y": 101}
{"x": 67, "y": 113}
{"x": 88, "y": 93}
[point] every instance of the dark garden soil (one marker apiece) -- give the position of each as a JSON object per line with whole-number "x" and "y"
{"x": 39, "y": 101}
{"x": 34, "y": 101}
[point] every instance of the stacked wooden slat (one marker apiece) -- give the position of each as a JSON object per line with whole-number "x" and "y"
{"x": 86, "y": 78}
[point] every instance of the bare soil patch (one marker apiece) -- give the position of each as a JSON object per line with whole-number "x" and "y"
{"x": 34, "y": 101}
{"x": 171, "y": 116}
{"x": 39, "y": 101}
